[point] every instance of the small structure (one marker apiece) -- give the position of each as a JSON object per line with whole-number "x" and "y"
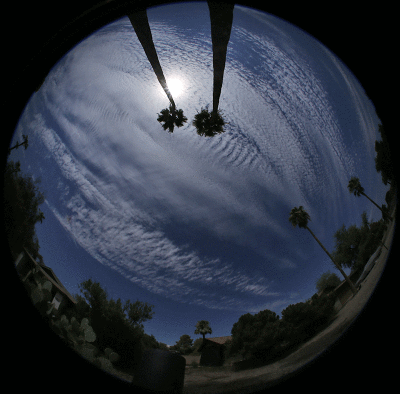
{"x": 213, "y": 351}
{"x": 32, "y": 271}
{"x": 343, "y": 291}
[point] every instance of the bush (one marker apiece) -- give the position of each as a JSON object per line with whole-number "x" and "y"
{"x": 194, "y": 364}
{"x": 304, "y": 319}
{"x": 328, "y": 281}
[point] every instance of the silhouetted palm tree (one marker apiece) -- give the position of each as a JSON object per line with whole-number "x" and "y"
{"x": 203, "y": 328}
{"x": 355, "y": 187}
{"x": 170, "y": 118}
{"x": 221, "y": 16}
{"x": 24, "y": 143}
{"x": 299, "y": 217}
{"x": 207, "y": 124}
{"x": 141, "y": 26}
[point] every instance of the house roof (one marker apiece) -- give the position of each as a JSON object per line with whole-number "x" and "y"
{"x": 216, "y": 340}
{"x": 219, "y": 340}
{"x": 51, "y": 276}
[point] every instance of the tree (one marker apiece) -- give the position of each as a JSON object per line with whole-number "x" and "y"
{"x": 116, "y": 325}
{"x": 203, "y": 328}
{"x": 24, "y": 143}
{"x": 383, "y": 159}
{"x": 299, "y": 217}
{"x": 169, "y": 118}
{"x": 221, "y": 17}
{"x": 304, "y": 319}
{"x": 255, "y": 334}
{"x": 170, "y": 115}
{"x": 327, "y": 281}
{"x": 207, "y": 123}
{"x": 355, "y": 187}
{"x": 22, "y": 199}
{"x": 184, "y": 345}
{"x": 347, "y": 243}
{"x": 355, "y": 245}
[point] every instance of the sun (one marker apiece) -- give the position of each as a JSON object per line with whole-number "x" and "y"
{"x": 175, "y": 86}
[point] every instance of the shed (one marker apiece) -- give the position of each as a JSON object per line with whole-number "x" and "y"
{"x": 29, "y": 270}
{"x": 213, "y": 351}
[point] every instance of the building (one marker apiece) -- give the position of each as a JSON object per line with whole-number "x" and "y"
{"x": 213, "y": 351}
{"x": 32, "y": 272}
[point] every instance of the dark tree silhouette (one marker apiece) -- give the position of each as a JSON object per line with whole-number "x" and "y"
{"x": 221, "y": 17}
{"x": 383, "y": 159}
{"x": 170, "y": 118}
{"x": 355, "y": 187}
{"x": 299, "y": 217}
{"x": 22, "y": 198}
{"x": 24, "y": 143}
{"x": 203, "y": 328}
{"x": 140, "y": 23}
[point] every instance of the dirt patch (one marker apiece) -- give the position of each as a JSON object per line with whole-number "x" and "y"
{"x": 190, "y": 359}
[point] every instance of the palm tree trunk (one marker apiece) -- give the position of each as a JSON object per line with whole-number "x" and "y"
{"x": 221, "y": 16}
{"x": 353, "y": 288}
{"x": 373, "y": 202}
{"x": 141, "y": 25}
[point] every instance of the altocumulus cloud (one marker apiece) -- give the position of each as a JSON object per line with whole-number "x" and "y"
{"x": 122, "y": 178}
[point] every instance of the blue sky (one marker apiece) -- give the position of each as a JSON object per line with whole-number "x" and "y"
{"x": 198, "y": 226}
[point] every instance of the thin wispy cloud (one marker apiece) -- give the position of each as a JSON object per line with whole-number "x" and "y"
{"x": 122, "y": 179}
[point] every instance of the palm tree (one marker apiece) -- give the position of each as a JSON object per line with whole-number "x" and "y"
{"x": 207, "y": 124}
{"x": 170, "y": 118}
{"x": 355, "y": 187}
{"x": 203, "y": 328}
{"x": 141, "y": 26}
{"x": 299, "y": 217}
{"x": 221, "y": 16}
{"x": 24, "y": 143}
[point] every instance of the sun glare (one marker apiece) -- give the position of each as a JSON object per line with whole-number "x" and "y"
{"x": 175, "y": 86}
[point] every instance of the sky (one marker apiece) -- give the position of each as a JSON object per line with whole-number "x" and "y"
{"x": 197, "y": 226}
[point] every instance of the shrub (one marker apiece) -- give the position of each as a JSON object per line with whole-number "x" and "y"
{"x": 304, "y": 319}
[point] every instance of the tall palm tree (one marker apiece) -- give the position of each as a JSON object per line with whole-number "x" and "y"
{"x": 140, "y": 23}
{"x": 203, "y": 328}
{"x": 299, "y": 217}
{"x": 355, "y": 187}
{"x": 221, "y": 16}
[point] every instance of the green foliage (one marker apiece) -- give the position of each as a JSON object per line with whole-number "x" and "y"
{"x": 355, "y": 245}
{"x": 75, "y": 334}
{"x": 185, "y": 344}
{"x": 304, "y": 319}
{"x": 347, "y": 243}
{"x": 263, "y": 337}
{"x": 247, "y": 331}
{"x": 208, "y": 123}
{"x": 118, "y": 326}
{"x": 111, "y": 355}
{"x": 21, "y": 209}
{"x": 328, "y": 281}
